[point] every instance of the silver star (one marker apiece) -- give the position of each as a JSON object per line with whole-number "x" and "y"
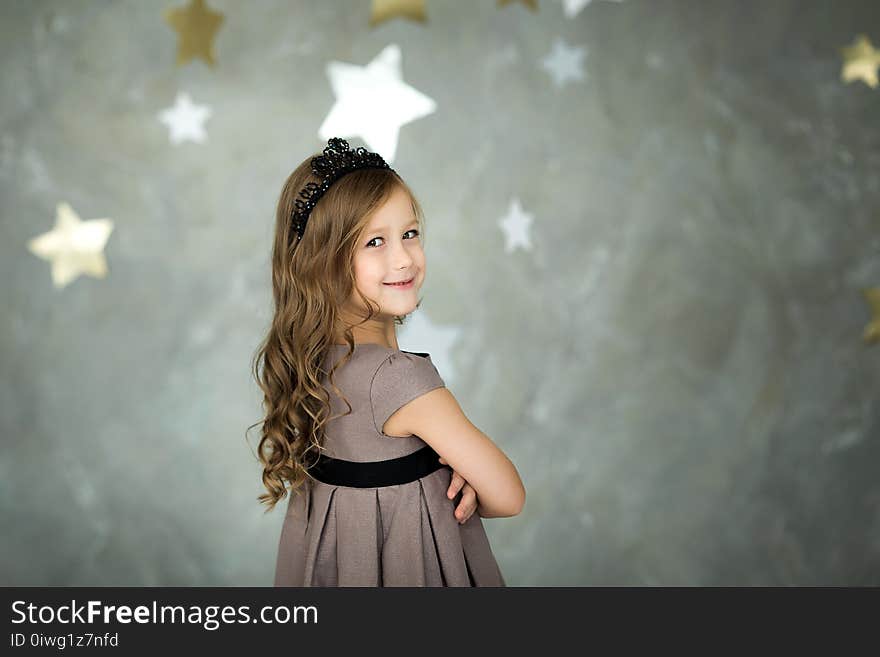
{"x": 574, "y": 7}
{"x": 425, "y": 335}
{"x": 565, "y": 63}
{"x": 373, "y": 102}
{"x": 516, "y": 227}
{"x": 185, "y": 120}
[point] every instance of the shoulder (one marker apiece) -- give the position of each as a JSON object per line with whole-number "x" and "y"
{"x": 403, "y": 367}
{"x": 399, "y": 378}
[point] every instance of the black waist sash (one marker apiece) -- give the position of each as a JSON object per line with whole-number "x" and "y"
{"x": 370, "y": 474}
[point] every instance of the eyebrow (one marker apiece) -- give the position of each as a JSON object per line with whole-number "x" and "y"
{"x": 375, "y": 229}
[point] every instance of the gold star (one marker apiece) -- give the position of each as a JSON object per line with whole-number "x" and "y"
{"x": 531, "y": 4}
{"x": 74, "y": 247}
{"x": 872, "y": 330}
{"x": 384, "y": 10}
{"x": 196, "y": 25}
{"x": 860, "y": 62}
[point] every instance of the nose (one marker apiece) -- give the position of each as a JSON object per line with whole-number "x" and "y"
{"x": 401, "y": 256}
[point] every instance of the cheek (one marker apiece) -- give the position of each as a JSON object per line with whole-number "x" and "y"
{"x": 419, "y": 260}
{"x": 368, "y": 274}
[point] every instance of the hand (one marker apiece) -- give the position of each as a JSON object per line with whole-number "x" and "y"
{"x": 468, "y": 503}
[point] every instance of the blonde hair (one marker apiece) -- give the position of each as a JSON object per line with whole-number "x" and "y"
{"x": 311, "y": 279}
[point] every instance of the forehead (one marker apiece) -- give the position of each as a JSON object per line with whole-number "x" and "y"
{"x": 396, "y": 211}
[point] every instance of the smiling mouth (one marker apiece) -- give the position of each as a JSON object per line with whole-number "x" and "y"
{"x": 401, "y": 283}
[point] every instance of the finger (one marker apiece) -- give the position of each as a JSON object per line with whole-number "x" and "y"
{"x": 443, "y": 461}
{"x": 456, "y": 484}
{"x": 468, "y": 504}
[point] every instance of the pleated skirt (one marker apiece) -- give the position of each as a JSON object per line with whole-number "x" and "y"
{"x": 399, "y": 535}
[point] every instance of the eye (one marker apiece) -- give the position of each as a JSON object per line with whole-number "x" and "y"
{"x": 411, "y": 230}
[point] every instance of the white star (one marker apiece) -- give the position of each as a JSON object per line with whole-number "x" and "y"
{"x": 573, "y": 7}
{"x": 436, "y": 340}
{"x": 564, "y": 63}
{"x": 74, "y": 246}
{"x": 373, "y": 102}
{"x": 186, "y": 120}
{"x": 516, "y": 227}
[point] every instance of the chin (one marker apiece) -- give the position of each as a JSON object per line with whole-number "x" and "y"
{"x": 399, "y": 311}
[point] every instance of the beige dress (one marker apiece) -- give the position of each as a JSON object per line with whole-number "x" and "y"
{"x": 399, "y": 535}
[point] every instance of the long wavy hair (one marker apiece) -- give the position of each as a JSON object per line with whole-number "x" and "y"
{"x": 311, "y": 280}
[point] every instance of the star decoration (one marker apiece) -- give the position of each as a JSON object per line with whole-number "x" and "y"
{"x": 872, "y": 330}
{"x": 516, "y": 227}
{"x": 185, "y": 120}
{"x": 196, "y": 26}
{"x": 573, "y": 7}
{"x": 74, "y": 246}
{"x": 424, "y": 335}
{"x": 531, "y": 4}
{"x": 384, "y": 10}
{"x": 860, "y": 62}
{"x": 373, "y": 102}
{"x": 565, "y": 63}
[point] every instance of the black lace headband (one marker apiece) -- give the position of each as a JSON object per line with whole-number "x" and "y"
{"x": 338, "y": 159}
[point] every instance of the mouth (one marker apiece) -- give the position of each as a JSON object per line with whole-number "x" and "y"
{"x": 403, "y": 285}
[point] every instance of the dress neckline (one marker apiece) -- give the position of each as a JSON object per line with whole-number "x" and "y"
{"x": 382, "y": 346}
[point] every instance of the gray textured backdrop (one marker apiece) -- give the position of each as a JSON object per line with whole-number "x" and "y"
{"x": 676, "y": 366}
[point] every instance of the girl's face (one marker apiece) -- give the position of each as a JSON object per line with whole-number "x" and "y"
{"x": 390, "y": 251}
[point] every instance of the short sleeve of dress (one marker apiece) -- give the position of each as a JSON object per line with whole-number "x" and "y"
{"x": 399, "y": 379}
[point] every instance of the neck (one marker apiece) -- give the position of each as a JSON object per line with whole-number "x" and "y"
{"x": 376, "y": 331}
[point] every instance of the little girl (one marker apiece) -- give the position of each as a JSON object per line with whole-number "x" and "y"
{"x": 366, "y": 436}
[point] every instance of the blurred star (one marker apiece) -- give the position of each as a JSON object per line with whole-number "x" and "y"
{"x": 373, "y": 102}
{"x": 384, "y": 10}
{"x": 185, "y": 120}
{"x": 196, "y": 26}
{"x": 861, "y": 60}
{"x": 516, "y": 225}
{"x": 421, "y": 331}
{"x": 574, "y": 7}
{"x": 74, "y": 246}
{"x": 565, "y": 63}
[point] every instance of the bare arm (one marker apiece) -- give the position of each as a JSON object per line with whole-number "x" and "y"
{"x": 436, "y": 418}
{"x": 483, "y": 512}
